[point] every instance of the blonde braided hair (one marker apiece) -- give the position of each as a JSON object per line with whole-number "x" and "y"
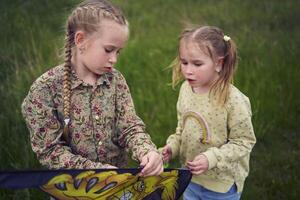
{"x": 86, "y": 17}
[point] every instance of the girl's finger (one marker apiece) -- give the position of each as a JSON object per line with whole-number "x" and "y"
{"x": 193, "y": 163}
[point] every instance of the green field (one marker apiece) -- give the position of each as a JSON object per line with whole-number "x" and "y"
{"x": 267, "y": 35}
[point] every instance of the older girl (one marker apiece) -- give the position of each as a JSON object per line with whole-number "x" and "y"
{"x": 80, "y": 114}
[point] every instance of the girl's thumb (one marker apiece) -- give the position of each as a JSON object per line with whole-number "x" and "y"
{"x": 144, "y": 161}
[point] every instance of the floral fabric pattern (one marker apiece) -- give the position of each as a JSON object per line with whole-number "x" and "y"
{"x": 103, "y": 126}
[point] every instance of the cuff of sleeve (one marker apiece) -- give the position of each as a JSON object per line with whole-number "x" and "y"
{"x": 160, "y": 150}
{"x": 212, "y": 160}
{"x": 174, "y": 149}
{"x": 143, "y": 152}
{"x": 98, "y": 166}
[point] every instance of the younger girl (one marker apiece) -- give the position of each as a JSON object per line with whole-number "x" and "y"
{"x": 80, "y": 114}
{"x": 214, "y": 136}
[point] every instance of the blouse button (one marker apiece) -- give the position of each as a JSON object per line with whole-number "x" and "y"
{"x": 100, "y": 143}
{"x": 97, "y": 117}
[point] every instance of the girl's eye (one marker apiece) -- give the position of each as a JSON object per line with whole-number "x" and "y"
{"x": 184, "y": 63}
{"x": 198, "y": 64}
{"x": 107, "y": 50}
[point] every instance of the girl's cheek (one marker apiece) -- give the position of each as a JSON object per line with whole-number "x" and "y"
{"x": 182, "y": 68}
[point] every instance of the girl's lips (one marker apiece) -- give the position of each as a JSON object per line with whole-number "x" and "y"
{"x": 108, "y": 69}
{"x": 190, "y": 80}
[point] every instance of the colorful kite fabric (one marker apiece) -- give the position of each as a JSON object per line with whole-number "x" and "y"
{"x": 106, "y": 184}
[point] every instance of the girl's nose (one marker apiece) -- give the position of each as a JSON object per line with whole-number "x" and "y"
{"x": 188, "y": 69}
{"x": 113, "y": 58}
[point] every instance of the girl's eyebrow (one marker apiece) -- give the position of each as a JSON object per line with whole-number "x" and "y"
{"x": 113, "y": 46}
{"x": 197, "y": 60}
{"x": 180, "y": 58}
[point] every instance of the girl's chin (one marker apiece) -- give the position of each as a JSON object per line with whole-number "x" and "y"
{"x": 103, "y": 71}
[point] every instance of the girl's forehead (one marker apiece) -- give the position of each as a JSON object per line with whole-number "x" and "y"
{"x": 192, "y": 49}
{"x": 110, "y": 31}
{"x": 109, "y": 27}
{"x": 190, "y": 45}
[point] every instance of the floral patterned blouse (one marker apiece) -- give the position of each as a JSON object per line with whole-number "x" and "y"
{"x": 103, "y": 126}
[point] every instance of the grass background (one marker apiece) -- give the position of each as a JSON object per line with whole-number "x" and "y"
{"x": 266, "y": 32}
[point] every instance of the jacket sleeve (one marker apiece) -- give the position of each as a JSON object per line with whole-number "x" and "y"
{"x": 46, "y": 131}
{"x": 241, "y": 138}
{"x": 131, "y": 129}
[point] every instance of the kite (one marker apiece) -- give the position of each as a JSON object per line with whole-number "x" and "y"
{"x": 98, "y": 184}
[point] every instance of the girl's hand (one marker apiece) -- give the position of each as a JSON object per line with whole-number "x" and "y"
{"x": 152, "y": 164}
{"x": 166, "y": 153}
{"x": 199, "y": 165}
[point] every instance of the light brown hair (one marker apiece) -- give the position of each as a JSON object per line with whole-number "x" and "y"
{"x": 211, "y": 40}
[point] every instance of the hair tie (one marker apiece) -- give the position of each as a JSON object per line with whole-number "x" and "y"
{"x": 226, "y": 38}
{"x": 67, "y": 121}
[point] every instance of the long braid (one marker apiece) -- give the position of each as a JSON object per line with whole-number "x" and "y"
{"x": 69, "y": 43}
{"x": 86, "y": 16}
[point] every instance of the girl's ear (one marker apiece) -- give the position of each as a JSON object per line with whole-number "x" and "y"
{"x": 79, "y": 38}
{"x": 219, "y": 64}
